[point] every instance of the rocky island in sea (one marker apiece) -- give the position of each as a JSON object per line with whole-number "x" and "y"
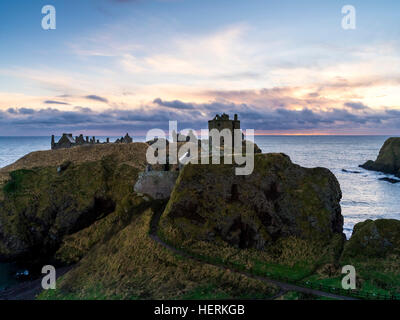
{"x": 388, "y": 160}
{"x": 82, "y": 210}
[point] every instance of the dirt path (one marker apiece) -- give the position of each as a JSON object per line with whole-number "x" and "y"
{"x": 282, "y": 285}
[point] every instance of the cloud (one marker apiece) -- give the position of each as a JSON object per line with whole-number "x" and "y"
{"x": 12, "y": 111}
{"x": 54, "y": 121}
{"x": 195, "y": 116}
{"x": 97, "y": 98}
{"x": 356, "y": 105}
{"x": 83, "y": 109}
{"x": 176, "y": 104}
{"x": 22, "y": 111}
{"x": 55, "y": 102}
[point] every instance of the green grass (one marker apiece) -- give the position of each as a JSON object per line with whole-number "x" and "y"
{"x": 15, "y": 184}
{"x": 373, "y": 283}
{"x": 331, "y": 282}
{"x": 277, "y": 271}
{"x": 131, "y": 265}
{"x": 370, "y": 286}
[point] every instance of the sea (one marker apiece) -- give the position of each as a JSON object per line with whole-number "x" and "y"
{"x": 364, "y": 195}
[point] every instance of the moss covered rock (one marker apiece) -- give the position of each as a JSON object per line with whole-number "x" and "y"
{"x": 388, "y": 160}
{"x": 41, "y": 206}
{"x": 278, "y": 200}
{"x": 374, "y": 239}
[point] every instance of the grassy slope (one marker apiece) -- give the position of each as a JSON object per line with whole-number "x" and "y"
{"x": 296, "y": 260}
{"x": 291, "y": 258}
{"x": 130, "y": 265}
{"x": 374, "y": 252}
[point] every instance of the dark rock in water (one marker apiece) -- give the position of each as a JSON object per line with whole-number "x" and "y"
{"x": 374, "y": 239}
{"x": 350, "y": 171}
{"x": 390, "y": 180}
{"x": 369, "y": 165}
{"x": 388, "y": 160}
{"x": 279, "y": 199}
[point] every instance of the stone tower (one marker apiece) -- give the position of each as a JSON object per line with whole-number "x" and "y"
{"x": 223, "y": 122}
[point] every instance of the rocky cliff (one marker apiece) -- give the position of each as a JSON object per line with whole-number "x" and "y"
{"x": 388, "y": 160}
{"x": 279, "y": 199}
{"x": 42, "y": 205}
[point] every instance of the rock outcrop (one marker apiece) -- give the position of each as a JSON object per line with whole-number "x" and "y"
{"x": 373, "y": 239}
{"x": 388, "y": 160}
{"x": 133, "y": 154}
{"x": 41, "y": 206}
{"x": 279, "y": 199}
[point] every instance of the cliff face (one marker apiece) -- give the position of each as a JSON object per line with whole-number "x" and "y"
{"x": 279, "y": 199}
{"x": 41, "y": 206}
{"x": 388, "y": 160}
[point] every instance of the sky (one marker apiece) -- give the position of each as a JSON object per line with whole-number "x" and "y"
{"x": 117, "y": 66}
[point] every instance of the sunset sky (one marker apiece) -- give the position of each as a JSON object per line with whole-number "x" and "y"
{"x": 286, "y": 67}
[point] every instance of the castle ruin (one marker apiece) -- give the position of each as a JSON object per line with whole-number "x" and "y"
{"x": 159, "y": 184}
{"x": 221, "y": 122}
{"x": 68, "y": 141}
